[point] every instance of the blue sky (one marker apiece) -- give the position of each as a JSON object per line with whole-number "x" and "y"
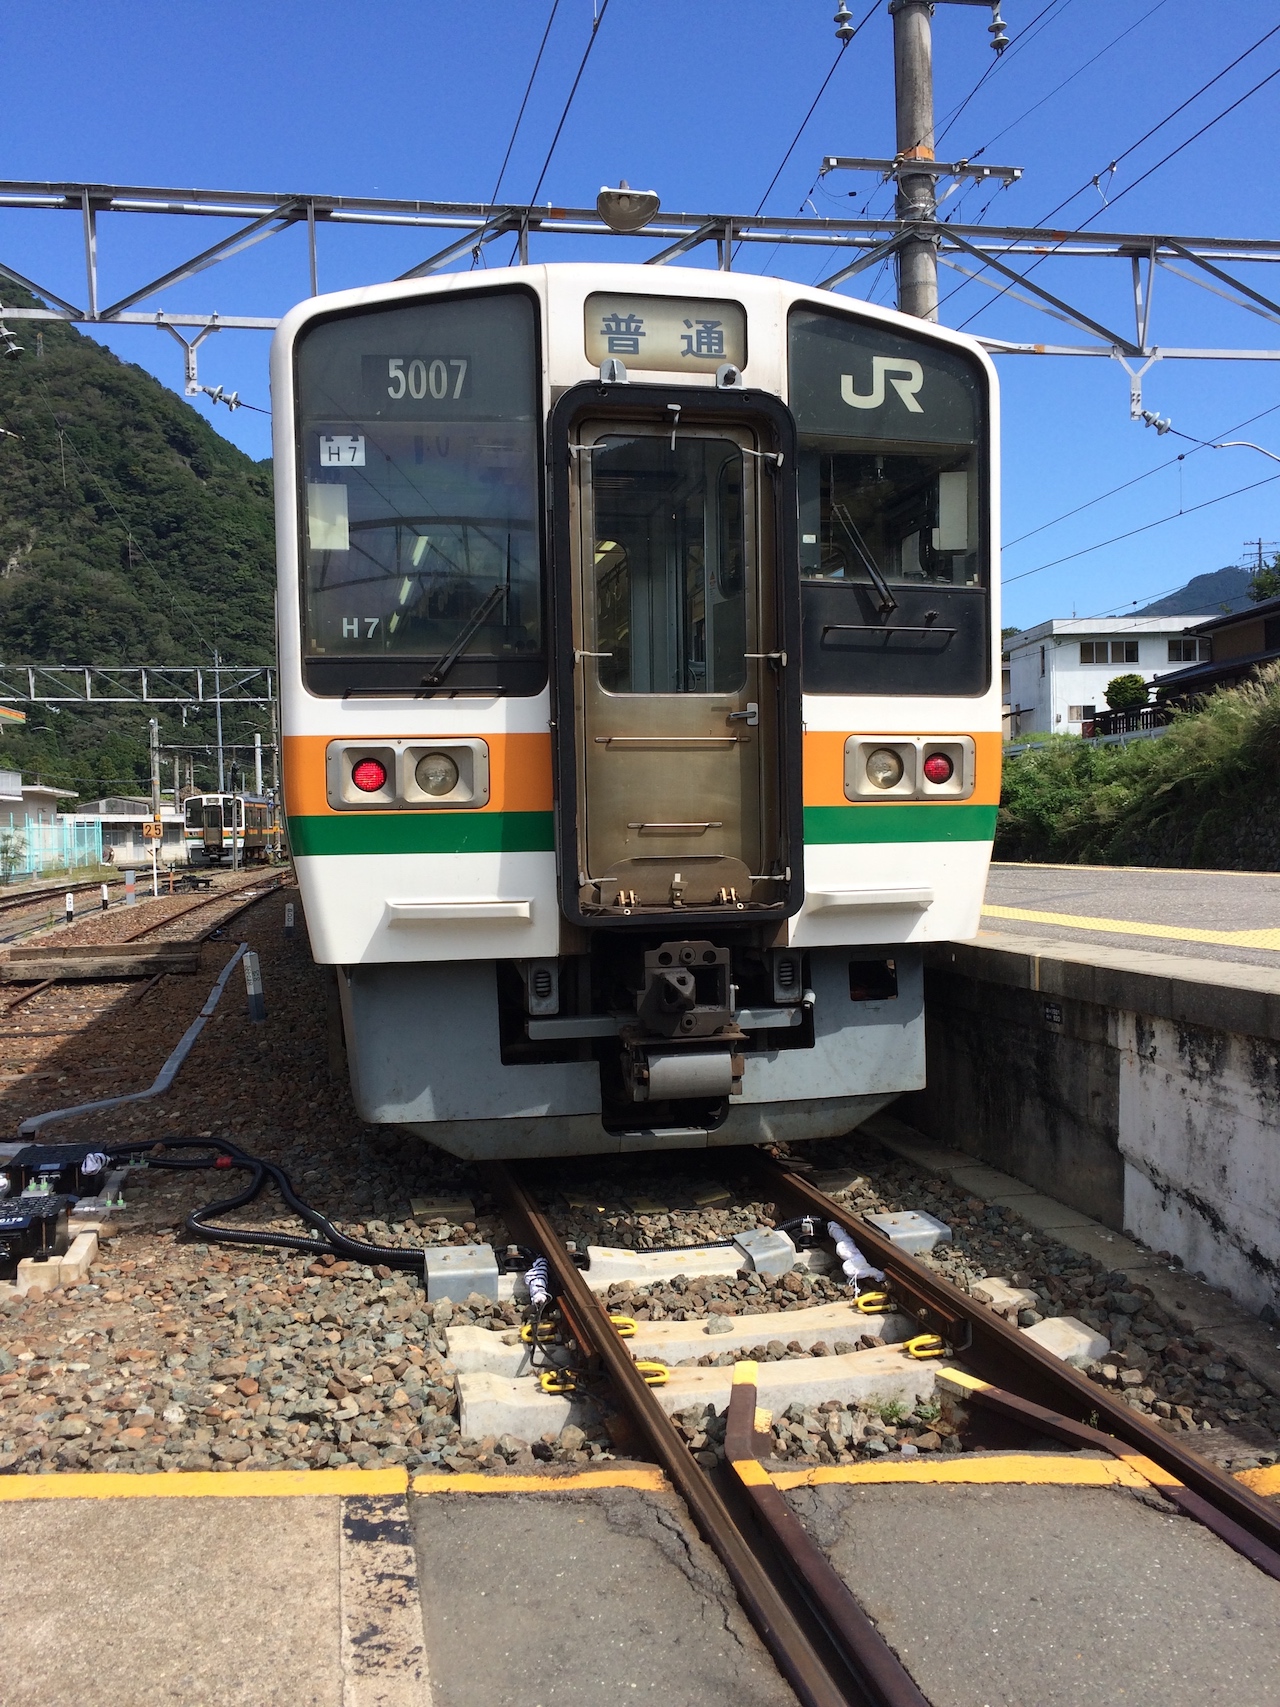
{"x": 699, "y": 100}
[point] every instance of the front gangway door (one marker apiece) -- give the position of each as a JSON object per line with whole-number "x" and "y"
{"x": 681, "y": 677}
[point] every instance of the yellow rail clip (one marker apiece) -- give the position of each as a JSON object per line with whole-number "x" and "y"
{"x": 623, "y": 1326}
{"x": 872, "y": 1303}
{"x": 926, "y": 1345}
{"x": 655, "y": 1374}
{"x": 547, "y": 1331}
{"x": 558, "y": 1381}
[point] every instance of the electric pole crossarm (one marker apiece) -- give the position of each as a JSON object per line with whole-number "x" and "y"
{"x": 1076, "y": 317}
{"x": 248, "y": 235}
{"x": 891, "y": 168}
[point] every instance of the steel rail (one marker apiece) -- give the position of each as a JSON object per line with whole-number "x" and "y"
{"x": 1005, "y": 1357}
{"x": 796, "y": 1657}
{"x": 204, "y": 901}
{"x": 873, "y": 1662}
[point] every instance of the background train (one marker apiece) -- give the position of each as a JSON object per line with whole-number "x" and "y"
{"x": 227, "y": 829}
{"x": 641, "y": 724}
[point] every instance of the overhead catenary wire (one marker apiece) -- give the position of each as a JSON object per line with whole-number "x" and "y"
{"x": 1172, "y": 462}
{"x": 528, "y": 90}
{"x": 1124, "y": 155}
{"x": 1079, "y": 71}
{"x": 596, "y": 22}
{"x": 1176, "y": 515}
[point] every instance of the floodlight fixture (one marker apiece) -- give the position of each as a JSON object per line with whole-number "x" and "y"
{"x": 625, "y": 209}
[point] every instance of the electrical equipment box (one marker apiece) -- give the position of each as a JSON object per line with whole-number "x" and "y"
{"x": 74, "y": 1170}
{"x": 33, "y": 1226}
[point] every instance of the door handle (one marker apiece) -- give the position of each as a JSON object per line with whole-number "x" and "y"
{"x": 751, "y": 716}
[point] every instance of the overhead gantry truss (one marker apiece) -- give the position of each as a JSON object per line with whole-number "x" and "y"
{"x": 1001, "y": 257}
{"x": 137, "y": 684}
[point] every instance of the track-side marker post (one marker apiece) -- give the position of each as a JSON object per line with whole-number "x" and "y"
{"x": 253, "y": 988}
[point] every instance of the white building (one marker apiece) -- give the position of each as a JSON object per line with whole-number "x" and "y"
{"x": 1056, "y": 674}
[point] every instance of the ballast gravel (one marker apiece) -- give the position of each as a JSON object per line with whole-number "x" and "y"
{"x": 180, "y": 1353}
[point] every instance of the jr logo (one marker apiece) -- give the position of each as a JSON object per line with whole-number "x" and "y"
{"x": 905, "y": 377}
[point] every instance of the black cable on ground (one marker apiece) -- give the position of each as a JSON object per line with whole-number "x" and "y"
{"x": 200, "y": 1221}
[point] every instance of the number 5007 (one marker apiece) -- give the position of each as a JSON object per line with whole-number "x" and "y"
{"x": 419, "y": 378}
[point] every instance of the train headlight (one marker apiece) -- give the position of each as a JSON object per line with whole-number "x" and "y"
{"x": 436, "y": 773}
{"x": 884, "y": 768}
{"x": 369, "y": 775}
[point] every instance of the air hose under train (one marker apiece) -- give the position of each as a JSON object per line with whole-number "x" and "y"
{"x": 201, "y": 1221}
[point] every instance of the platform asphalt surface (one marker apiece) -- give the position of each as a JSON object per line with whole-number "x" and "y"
{"x": 1052, "y": 1597}
{"x": 1200, "y": 915}
{"x": 999, "y": 1595}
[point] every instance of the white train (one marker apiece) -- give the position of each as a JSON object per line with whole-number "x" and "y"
{"x": 638, "y": 634}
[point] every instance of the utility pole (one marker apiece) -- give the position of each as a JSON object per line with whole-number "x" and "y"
{"x": 917, "y": 195}
{"x": 913, "y": 165}
{"x": 155, "y": 767}
{"x": 257, "y": 765}
{"x": 217, "y": 699}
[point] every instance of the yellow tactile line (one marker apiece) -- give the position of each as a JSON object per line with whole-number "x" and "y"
{"x": 648, "y": 1481}
{"x": 1269, "y": 939}
{"x": 1008, "y": 1469}
{"x": 201, "y": 1484}
{"x": 316, "y": 1484}
{"x": 1039, "y": 1469}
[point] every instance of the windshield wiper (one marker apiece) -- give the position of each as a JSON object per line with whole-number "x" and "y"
{"x": 443, "y": 665}
{"x": 887, "y": 601}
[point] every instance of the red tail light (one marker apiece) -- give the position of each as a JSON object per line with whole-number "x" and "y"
{"x": 369, "y": 776}
{"x": 938, "y": 768}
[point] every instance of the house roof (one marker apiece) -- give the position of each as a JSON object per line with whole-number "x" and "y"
{"x": 1200, "y": 676}
{"x": 1264, "y": 607}
{"x": 1087, "y": 628}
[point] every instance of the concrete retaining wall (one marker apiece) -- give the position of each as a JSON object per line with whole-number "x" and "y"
{"x": 1142, "y": 1089}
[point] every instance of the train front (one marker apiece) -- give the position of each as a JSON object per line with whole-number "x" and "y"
{"x": 640, "y": 723}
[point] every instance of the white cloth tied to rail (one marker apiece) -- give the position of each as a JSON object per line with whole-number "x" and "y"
{"x": 538, "y": 1282}
{"x": 854, "y": 1264}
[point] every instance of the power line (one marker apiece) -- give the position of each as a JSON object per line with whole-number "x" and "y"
{"x": 591, "y": 42}
{"x": 1176, "y": 515}
{"x": 1022, "y": 40}
{"x": 804, "y": 125}
{"x": 528, "y": 90}
{"x": 1059, "y": 87}
{"x": 1158, "y": 469}
{"x": 1132, "y": 148}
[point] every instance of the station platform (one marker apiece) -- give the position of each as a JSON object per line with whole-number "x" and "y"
{"x": 1210, "y": 915}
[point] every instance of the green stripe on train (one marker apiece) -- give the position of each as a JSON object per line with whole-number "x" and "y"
{"x": 423, "y": 833}
{"x": 932, "y": 821}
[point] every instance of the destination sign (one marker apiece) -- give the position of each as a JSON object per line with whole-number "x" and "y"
{"x": 674, "y": 334}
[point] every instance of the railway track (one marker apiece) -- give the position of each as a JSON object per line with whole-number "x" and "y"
{"x": 821, "y": 1638}
{"x": 204, "y": 901}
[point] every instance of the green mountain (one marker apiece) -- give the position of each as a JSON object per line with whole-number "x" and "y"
{"x": 130, "y": 533}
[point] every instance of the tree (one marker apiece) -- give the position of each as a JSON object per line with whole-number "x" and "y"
{"x": 1126, "y": 693}
{"x": 1266, "y": 581}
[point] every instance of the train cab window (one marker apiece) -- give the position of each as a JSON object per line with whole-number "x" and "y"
{"x": 669, "y": 564}
{"x": 419, "y": 498}
{"x": 893, "y": 489}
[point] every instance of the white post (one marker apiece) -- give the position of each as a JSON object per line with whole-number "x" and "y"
{"x": 71, "y": 908}
{"x": 131, "y": 889}
{"x": 106, "y": 899}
